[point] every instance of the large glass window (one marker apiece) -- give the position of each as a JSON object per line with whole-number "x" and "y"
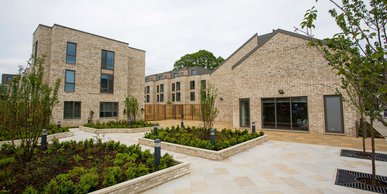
{"x": 108, "y": 109}
{"x": 178, "y": 97}
{"x": 177, "y": 86}
{"x": 161, "y": 97}
{"x": 244, "y": 112}
{"x": 107, "y": 83}
{"x": 161, "y": 88}
{"x": 192, "y": 96}
{"x": 71, "y": 53}
{"x": 72, "y": 110}
{"x": 69, "y": 81}
{"x": 285, "y": 113}
{"x": 173, "y": 87}
{"x": 107, "y": 59}
{"x": 192, "y": 85}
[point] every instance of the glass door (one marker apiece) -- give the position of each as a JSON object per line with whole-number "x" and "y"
{"x": 333, "y": 114}
{"x": 244, "y": 112}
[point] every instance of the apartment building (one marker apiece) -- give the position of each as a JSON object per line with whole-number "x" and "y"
{"x": 96, "y": 73}
{"x": 173, "y": 94}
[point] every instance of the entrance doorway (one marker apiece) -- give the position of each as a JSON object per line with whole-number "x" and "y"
{"x": 285, "y": 113}
{"x": 333, "y": 107}
{"x": 244, "y": 112}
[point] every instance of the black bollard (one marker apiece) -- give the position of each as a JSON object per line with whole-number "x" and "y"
{"x": 155, "y": 130}
{"x": 253, "y": 127}
{"x": 59, "y": 124}
{"x": 182, "y": 121}
{"x": 43, "y": 143}
{"x": 157, "y": 152}
{"x": 212, "y": 137}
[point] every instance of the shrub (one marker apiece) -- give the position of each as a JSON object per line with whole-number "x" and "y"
{"x": 60, "y": 184}
{"x": 7, "y": 161}
{"x": 77, "y": 158}
{"x": 87, "y": 182}
{"x": 30, "y": 190}
{"x": 122, "y": 158}
{"x": 112, "y": 176}
{"x": 130, "y": 173}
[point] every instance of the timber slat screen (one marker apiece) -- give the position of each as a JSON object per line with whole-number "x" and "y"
{"x": 154, "y": 112}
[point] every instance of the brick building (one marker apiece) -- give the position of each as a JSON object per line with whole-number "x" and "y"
{"x": 96, "y": 73}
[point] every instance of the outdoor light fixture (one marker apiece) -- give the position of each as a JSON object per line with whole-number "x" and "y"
{"x": 281, "y": 91}
{"x": 221, "y": 98}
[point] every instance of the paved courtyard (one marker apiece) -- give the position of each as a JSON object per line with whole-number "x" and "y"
{"x": 273, "y": 167}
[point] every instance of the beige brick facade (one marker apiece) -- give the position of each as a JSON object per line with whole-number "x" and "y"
{"x": 128, "y": 72}
{"x": 277, "y": 61}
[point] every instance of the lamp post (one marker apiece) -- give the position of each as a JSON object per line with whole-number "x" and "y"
{"x": 155, "y": 130}
{"x": 43, "y": 143}
{"x": 212, "y": 136}
{"x": 157, "y": 152}
{"x": 253, "y": 127}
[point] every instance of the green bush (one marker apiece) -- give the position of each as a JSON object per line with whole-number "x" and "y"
{"x": 77, "y": 158}
{"x": 30, "y": 190}
{"x": 87, "y": 182}
{"x": 112, "y": 176}
{"x": 130, "y": 173}
{"x": 60, "y": 184}
{"x": 7, "y": 161}
{"x": 120, "y": 124}
{"x": 200, "y": 137}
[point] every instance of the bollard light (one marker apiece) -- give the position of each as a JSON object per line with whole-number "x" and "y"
{"x": 182, "y": 121}
{"x": 59, "y": 124}
{"x": 253, "y": 127}
{"x": 157, "y": 152}
{"x": 155, "y": 130}
{"x": 43, "y": 143}
{"x": 212, "y": 136}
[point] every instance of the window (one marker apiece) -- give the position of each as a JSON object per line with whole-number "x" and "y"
{"x": 71, "y": 52}
{"x": 107, "y": 83}
{"x": 178, "y": 97}
{"x": 158, "y": 98}
{"x": 175, "y": 75}
{"x": 35, "y": 48}
{"x": 160, "y": 77}
{"x": 147, "y": 98}
{"x": 177, "y": 86}
{"x": 192, "y": 96}
{"x": 173, "y": 97}
{"x": 158, "y": 89}
{"x": 173, "y": 87}
{"x": 107, "y": 60}
{"x": 161, "y": 97}
{"x": 193, "y": 72}
{"x": 72, "y": 110}
{"x": 192, "y": 85}
{"x": 161, "y": 88}
{"x": 147, "y": 89}
{"x": 203, "y": 84}
{"x": 69, "y": 81}
{"x": 108, "y": 109}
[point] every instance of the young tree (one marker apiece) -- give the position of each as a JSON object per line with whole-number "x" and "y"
{"x": 358, "y": 54}
{"x": 207, "y": 104}
{"x": 27, "y": 106}
{"x": 201, "y": 58}
{"x": 132, "y": 108}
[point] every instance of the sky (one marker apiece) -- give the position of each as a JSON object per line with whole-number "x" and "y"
{"x": 165, "y": 29}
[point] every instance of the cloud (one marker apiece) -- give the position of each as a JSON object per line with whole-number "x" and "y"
{"x": 167, "y": 30}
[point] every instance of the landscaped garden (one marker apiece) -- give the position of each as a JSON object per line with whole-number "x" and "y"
{"x": 200, "y": 137}
{"x": 120, "y": 124}
{"x": 12, "y": 135}
{"x": 75, "y": 167}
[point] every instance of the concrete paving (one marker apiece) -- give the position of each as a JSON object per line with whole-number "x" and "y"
{"x": 272, "y": 167}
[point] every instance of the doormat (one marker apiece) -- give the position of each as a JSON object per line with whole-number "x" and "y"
{"x": 350, "y": 179}
{"x": 359, "y": 154}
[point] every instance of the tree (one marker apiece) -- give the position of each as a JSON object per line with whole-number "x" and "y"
{"x": 132, "y": 108}
{"x": 358, "y": 54}
{"x": 207, "y": 104}
{"x": 201, "y": 58}
{"x": 27, "y": 106}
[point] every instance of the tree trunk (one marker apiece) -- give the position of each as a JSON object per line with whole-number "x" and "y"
{"x": 373, "y": 152}
{"x": 364, "y": 133}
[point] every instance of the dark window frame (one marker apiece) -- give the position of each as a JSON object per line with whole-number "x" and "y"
{"x": 147, "y": 98}
{"x": 178, "y": 97}
{"x": 173, "y": 87}
{"x": 192, "y": 84}
{"x": 75, "y": 54}
{"x": 173, "y": 97}
{"x": 104, "y": 54}
{"x": 192, "y": 94}
{"x": 147, "y": 89}
{"x": 178, "y": 86}
{"x": 115, "y": 106}
{"x": 161, "y": 98}
{"x": 73, "y": 109}
{"x": 69, "y": 83}
{"x": 108, "y": 84}
{"x": 161, "y": 88}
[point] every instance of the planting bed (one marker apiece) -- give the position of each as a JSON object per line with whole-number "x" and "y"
{"x": 81, "y": 167}
{"x": 196, "y": 141}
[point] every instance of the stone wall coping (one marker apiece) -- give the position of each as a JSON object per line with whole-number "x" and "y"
{"x": 205, "y": 153}
{"x": 116, "y": 188}
{"x": 49, "y": 138}
{"x": 116, "y": 130}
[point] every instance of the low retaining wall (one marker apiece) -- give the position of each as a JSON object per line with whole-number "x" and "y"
{"x": 204, "y": 153}
{"x": 148, "y": 181}
{"x": 49, "y": 138}
{"x": 115, "y": 130}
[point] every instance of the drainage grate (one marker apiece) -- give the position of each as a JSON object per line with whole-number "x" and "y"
{"x": 349, "y": 178}
{"x": 359, "y": 154}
